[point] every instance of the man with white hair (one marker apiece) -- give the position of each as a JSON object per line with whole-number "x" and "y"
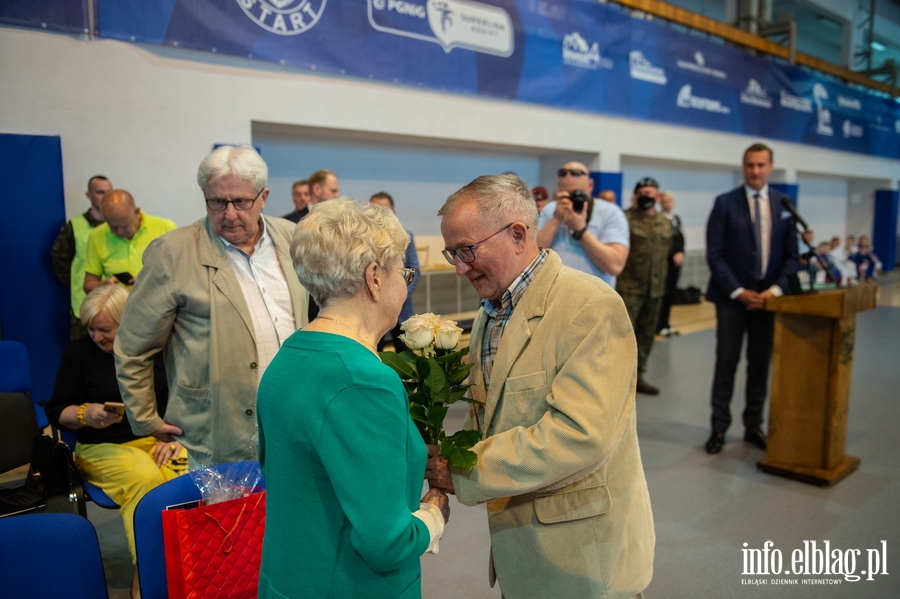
{"x": 218, "y": 297}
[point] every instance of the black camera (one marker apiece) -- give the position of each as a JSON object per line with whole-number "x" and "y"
{"x": 578, "y": 199}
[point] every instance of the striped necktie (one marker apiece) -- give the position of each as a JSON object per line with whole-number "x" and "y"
{"x": 758, "y": 273}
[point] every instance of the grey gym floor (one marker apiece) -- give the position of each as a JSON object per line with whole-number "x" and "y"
{"x": 706, "y": 507}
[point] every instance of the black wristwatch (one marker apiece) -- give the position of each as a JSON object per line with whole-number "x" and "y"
{"x": 577, "y": 235}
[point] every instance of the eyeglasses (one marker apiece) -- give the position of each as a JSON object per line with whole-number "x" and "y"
{"x": 409, "y": 274}
{"x": 466, "y": 253}
{"x": 572, "y": 172}
{"x": 241, "y": 204}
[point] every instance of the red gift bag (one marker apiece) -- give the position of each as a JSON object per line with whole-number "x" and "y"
{"x": 214, "y": 551}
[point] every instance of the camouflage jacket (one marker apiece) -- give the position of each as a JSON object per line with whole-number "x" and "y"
{"x": 645, "y": 270}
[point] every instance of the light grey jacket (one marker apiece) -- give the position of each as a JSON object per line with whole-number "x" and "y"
{"x": 559, "y": 467}
{"x": 187, "y": 303}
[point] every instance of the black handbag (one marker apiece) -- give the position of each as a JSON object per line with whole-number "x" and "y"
{"x": 52, "y": 472}
{"x": 53, "y": 483}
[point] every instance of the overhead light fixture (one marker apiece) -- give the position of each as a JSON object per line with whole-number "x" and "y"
{"x": 878, "y": 46}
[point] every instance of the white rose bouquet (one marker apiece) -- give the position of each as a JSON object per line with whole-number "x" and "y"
{"x": 434, "y": 376}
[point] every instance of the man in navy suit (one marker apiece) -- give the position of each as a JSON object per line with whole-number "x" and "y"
{"x": 751, "y": 248}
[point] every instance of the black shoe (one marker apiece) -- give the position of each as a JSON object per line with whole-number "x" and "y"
{"x": 755, "y": 437}
{"x": 646, "y": 389}
{"x": 715, "y": 443}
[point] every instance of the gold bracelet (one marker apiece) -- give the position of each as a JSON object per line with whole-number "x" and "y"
{"x": 81, "y": 414}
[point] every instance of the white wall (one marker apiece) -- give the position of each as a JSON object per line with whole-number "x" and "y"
{"x": 823, "y": 205}
{"x": 694, "y": 187}
{"x": 418, "y": 176}
{"x": 145, "y": 116}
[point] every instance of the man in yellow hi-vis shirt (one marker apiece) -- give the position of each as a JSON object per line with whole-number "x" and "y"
{"x": 115, "y": 249}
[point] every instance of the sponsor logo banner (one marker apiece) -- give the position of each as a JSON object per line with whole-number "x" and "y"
{"x": 283, "y": 17}
{"x": 577, "y": 53}
{"x": 686, "y": 99}
{"x": 699, "y": 66}
{"x": 643, "y": 69}
{"x": 570, "y": 54}
{"x": 755, "y": 95}
{"x": 450, "y": 23}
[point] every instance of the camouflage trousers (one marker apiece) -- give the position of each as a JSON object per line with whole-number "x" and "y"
{"x": 644, "y": 314}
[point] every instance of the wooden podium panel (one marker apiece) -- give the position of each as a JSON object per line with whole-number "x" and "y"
{"x": 812, "y": 359}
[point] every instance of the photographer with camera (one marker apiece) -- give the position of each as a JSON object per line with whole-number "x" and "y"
{"x": 642, "y": 283}
{"x": 589, "y": 235}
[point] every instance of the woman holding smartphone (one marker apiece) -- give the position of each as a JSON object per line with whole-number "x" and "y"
{"x": 86, "y": 399}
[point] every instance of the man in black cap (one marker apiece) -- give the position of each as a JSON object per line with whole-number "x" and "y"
{"x": 642, "y": 283}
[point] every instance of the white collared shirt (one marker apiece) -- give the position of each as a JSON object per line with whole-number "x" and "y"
{"x": 765, "y": 224}
{"x": 266, "y": 293}
{"x": 765, "y": 232}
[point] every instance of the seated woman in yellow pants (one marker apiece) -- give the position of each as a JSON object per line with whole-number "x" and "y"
{"x": 108, "y": 454}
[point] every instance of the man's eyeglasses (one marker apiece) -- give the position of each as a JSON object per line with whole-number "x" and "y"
{"x": 573, "y": 172}
{"x": 408, "y": 275}
{"x": 466, "y": 253}
{"x": 241, "y": 204}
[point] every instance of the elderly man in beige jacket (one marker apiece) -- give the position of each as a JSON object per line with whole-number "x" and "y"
{"x": 555, "y": 366}
{"x": 218, "y": 298}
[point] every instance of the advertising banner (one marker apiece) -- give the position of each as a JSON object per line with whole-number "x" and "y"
{"x": 571, "y": 54}
{"x": 68, "y": 16}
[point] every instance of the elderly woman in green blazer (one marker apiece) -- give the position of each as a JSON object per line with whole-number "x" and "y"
{"x": 343, "y": 462}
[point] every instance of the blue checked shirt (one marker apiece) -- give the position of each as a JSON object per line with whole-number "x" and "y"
{"x": 499, "y": 313}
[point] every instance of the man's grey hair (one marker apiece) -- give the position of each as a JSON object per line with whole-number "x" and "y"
{"x": 242, "y": 162}
{"x": 500, "y": 199}
{"x": 335, "y": 243}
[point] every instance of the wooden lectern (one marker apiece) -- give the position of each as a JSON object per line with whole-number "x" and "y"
{"x": 812, "y": 358}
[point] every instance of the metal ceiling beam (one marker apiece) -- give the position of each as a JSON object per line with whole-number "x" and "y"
{"x": 748, "y": 40}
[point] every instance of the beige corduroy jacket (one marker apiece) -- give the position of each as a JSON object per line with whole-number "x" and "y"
{"x": 559, "y": 467}
{"x": 188, "y": 303}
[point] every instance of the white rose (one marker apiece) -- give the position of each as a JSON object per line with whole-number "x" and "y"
{"x": 447, "y": 335}
{"x": 419, "y": 333}
{"x": 430, "y": 319}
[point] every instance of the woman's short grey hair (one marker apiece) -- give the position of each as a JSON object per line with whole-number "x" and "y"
{"x": 500, "y": 199}
{"x": 339, "y": 238}
{"x": 242, "y": 162}
{"x": 106, "y": 299}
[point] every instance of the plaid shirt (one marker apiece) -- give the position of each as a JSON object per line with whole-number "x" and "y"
{"x": 500, "y": 312}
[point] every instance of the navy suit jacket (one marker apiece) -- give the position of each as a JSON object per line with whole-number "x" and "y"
{"x": 731, "y": 247}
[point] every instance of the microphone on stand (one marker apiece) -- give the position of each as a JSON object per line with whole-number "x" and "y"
{"x": 789, "y": 206}
{"x": 793, "y": 281}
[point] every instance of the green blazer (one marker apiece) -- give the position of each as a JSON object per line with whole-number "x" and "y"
{"x": 560, "y": 468}
{"x": 188, "y": 303}
{"x": 344, "y": 467}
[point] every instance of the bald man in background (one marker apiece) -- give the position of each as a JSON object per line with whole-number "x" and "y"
{"x": 608, "y": 195}
{"x": 117, "y": 246}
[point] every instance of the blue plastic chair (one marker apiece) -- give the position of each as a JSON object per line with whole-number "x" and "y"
{"x": 148, "y": 535}
{"x": 15, "y": 375}
{"x": 50, "y": 555}
{"x": 91, "y": 491}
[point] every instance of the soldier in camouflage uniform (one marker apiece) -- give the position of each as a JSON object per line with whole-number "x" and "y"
{"x": 642, "y": 283}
